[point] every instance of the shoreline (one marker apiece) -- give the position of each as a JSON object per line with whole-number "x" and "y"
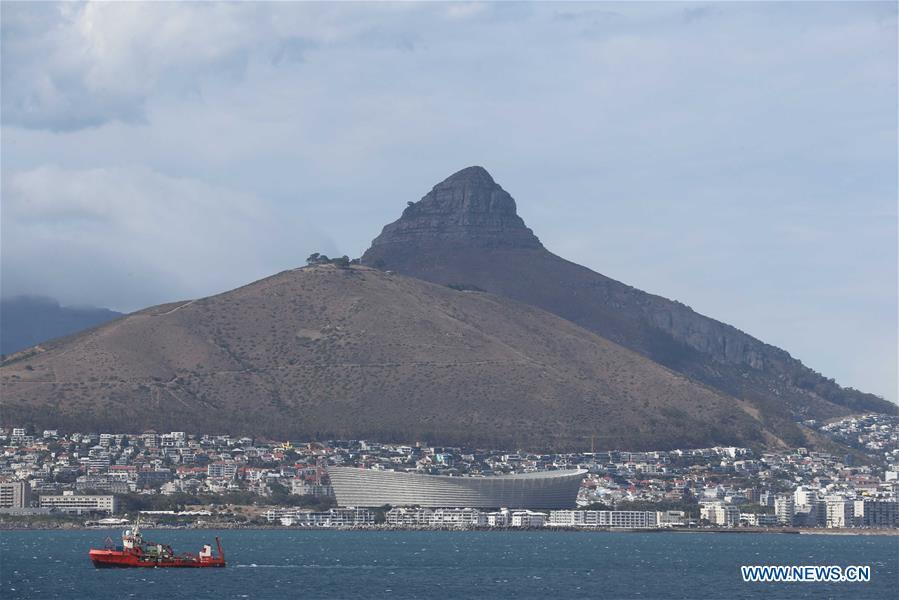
{"x": 376, "y": 528}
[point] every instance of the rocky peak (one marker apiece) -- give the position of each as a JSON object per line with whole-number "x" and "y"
{"x": 471, "y": 175}
{"x": 467, "y": 207}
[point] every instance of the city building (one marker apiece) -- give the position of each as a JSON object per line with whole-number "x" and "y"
{"x": 721, "y": 514}
{"x": 840, "y": 512}
{"x": 500, "y": 518}
{"x": 566, "y": 518}
{"x": 71, "y": 502}
{"x": 221, "y": 470}
{"x": 457, "y": 517}
{"x": 335, "y": 517}
{"x": 818, "y": 488}
{"x": 877, "y": 512}
{"x": 758, "y": 520}
{"x": 784, "y": 508}
{"x": 16, "y": 494}
{"x": 671, "y": 518}
{"x": 301, "y": 487}
{"x": 409, "y": 517}
{"x": 615, "y": 519}
{"x": 528, "y": 518}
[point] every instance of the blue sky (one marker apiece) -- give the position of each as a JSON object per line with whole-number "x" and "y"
{"x": 738, "y": 157}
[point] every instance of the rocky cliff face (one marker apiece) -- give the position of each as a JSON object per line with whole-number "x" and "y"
{"x": 467, "y": 208}
{"x": 466, "y": 232}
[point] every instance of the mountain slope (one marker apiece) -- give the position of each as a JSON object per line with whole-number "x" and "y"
{"x": 466, "y": 232}
{"x": 323, "y": 351}
{"x": 29, "y": 320}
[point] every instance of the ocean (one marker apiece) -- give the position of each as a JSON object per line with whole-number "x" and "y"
{"x": 275, "y": 564}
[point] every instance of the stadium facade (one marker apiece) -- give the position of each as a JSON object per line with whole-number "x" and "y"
{"x": 544, "y": 489}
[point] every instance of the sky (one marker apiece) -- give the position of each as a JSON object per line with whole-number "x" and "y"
{"x": 738, "y": 157}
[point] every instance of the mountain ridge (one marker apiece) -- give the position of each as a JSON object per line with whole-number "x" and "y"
{"x": 467, "y": 331}
{"x": 29, "y": 320}
{"x": 666, "y": 331}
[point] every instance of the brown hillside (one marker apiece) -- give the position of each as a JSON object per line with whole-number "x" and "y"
{"x": 323, "y": 351}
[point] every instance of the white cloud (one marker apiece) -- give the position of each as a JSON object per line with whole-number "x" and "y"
{"x": 69, "y": 66}
{"x": 82, "y": 65}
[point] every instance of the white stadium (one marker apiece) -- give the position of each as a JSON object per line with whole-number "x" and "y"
{"x": 544, "y": 489}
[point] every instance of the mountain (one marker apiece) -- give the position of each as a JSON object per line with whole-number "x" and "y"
{"x": 29, "y": 320}
{"x": 466, "y": 233}
{"x": 353, "y": 352}
{"x": 458, "y": 327}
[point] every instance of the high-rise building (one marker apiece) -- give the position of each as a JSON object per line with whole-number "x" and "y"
{"x": 784, "y": 508}
{"x": 16, "y": 494}
{"x": 840, "y": 512}
{"x": 804, "y": 496}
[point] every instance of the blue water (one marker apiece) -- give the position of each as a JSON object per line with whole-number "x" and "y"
{"x": 407, "y": 564}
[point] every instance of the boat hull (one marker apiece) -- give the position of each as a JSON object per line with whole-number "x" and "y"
{"x": 118, "y": 559}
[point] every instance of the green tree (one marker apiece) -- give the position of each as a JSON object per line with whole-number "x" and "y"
{"x": 317, "y": 259}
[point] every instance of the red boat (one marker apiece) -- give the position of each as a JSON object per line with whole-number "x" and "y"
{"x": 135, "y": 552}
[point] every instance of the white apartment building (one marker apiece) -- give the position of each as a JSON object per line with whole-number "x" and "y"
{"x": 784, "y": 508}
{"x": 622, "y": 519}
{"x": 758, "y": 520}
{"x": 500, "y": 518}
{"x": 805, "y": 496}
{"x": 566, "y": 518}
{"x": 528, "y": 518}
{"x": 720, "y": 514}
{"x": 221, "y": 470}
{"x": 335, "y": 517}
{"x": 71, "y": 502}
{"x": 671, "y": 518}
{"x": 630, "y": 519}
{"x": 840, "y": 512}
{"x": 349, "y": 517}
{"x": 409, "y": 517}
{"x": 458, "y": 517}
